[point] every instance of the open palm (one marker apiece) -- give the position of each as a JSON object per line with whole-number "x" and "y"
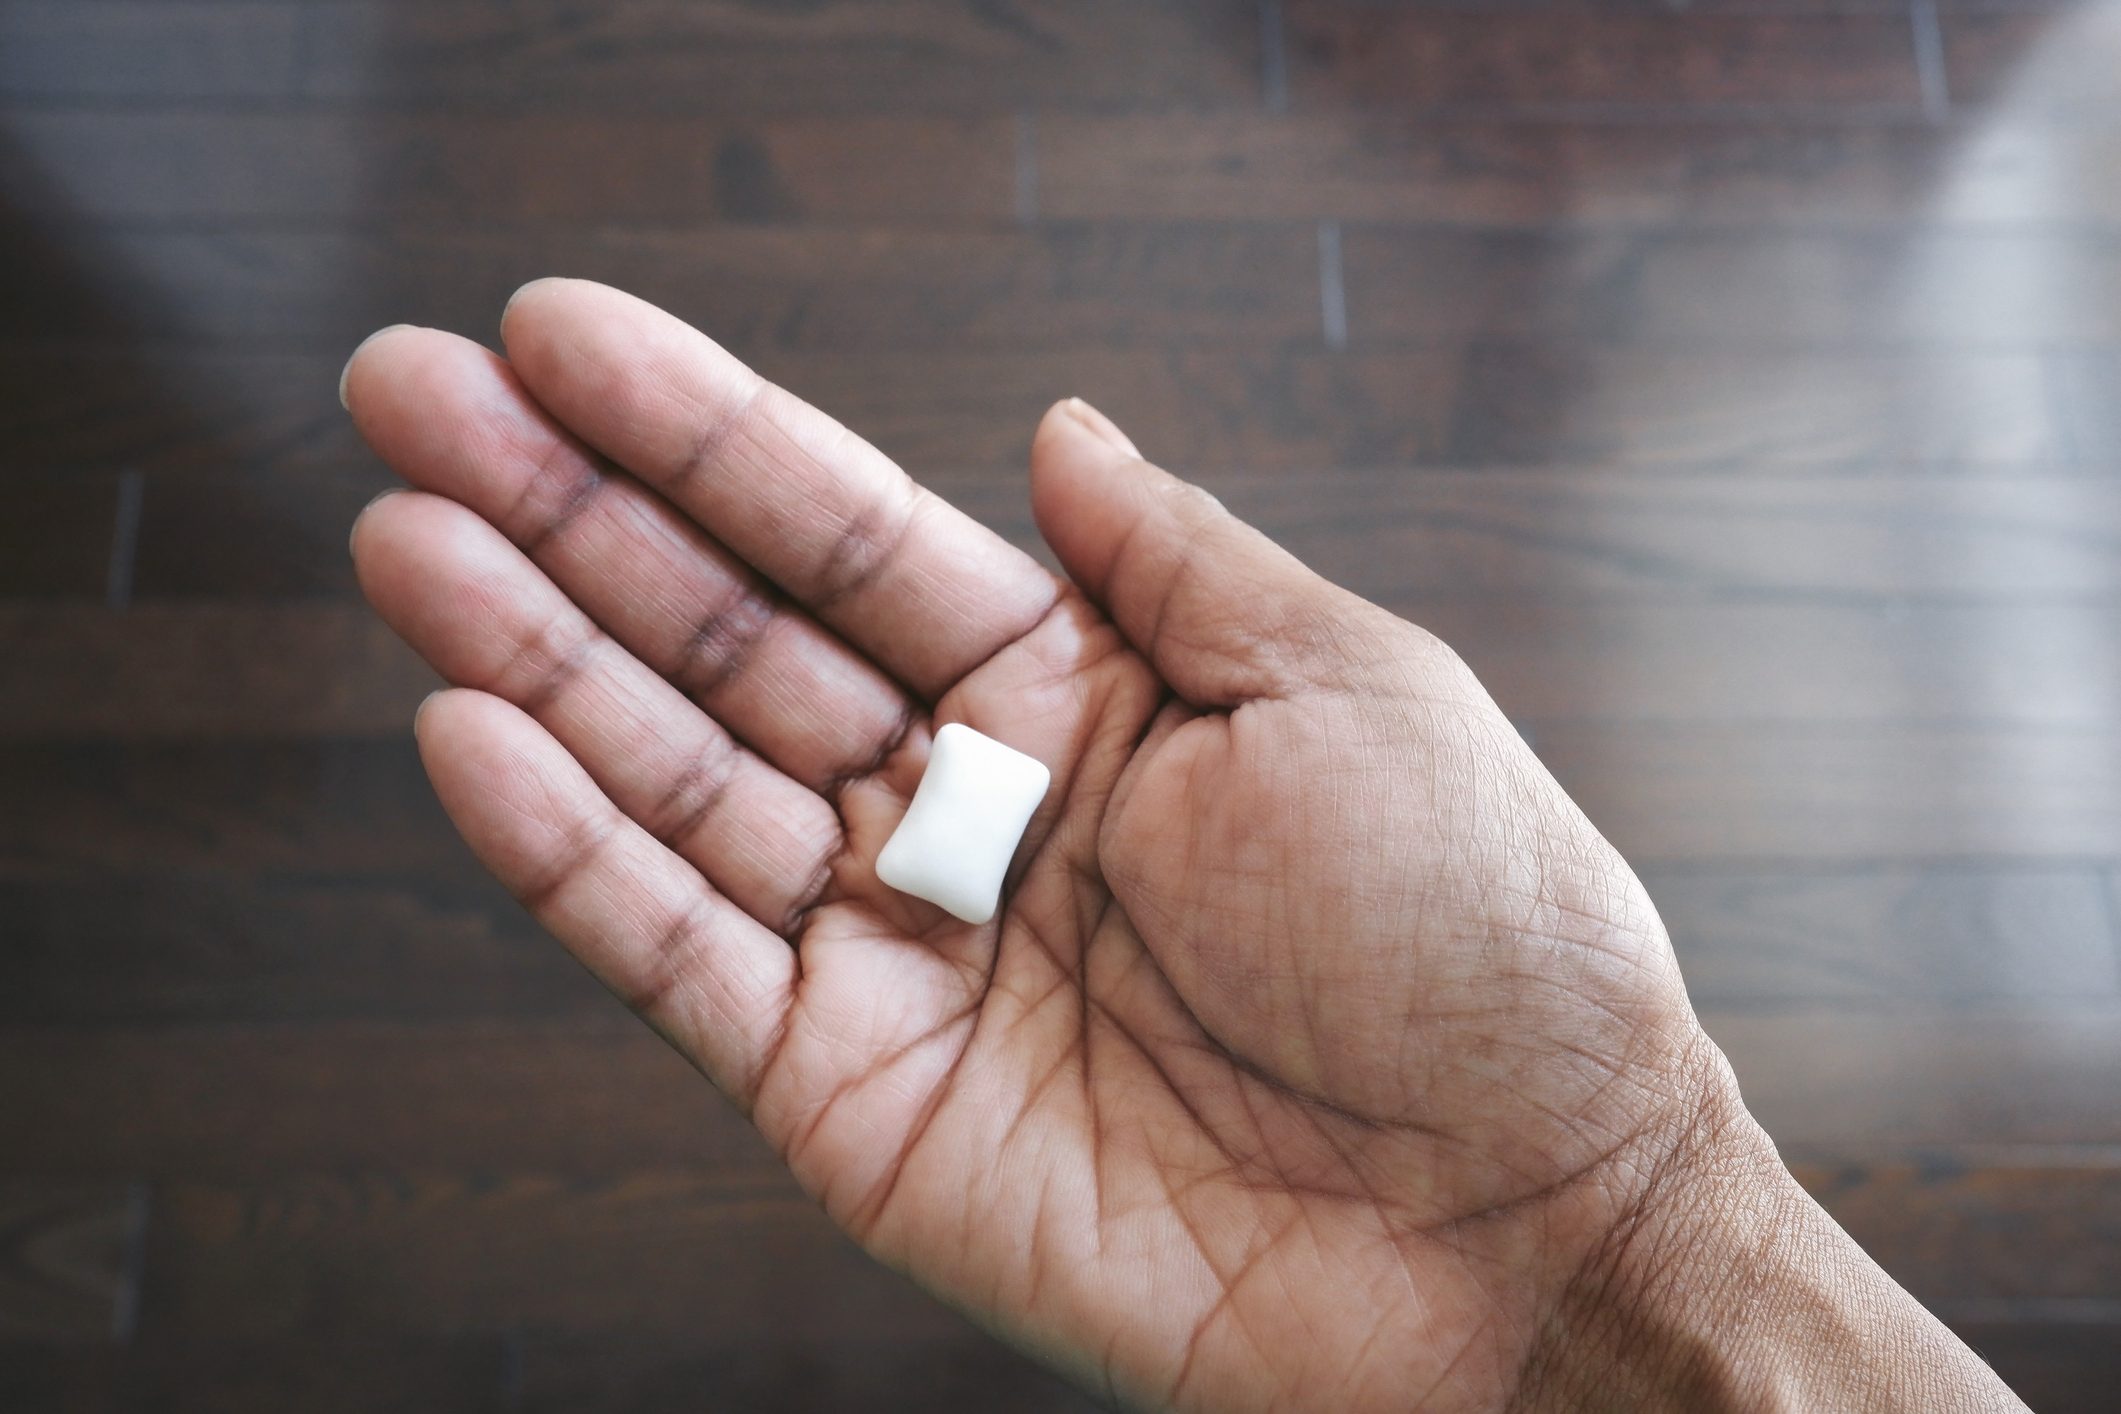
{"x": 1320, "y": 1044}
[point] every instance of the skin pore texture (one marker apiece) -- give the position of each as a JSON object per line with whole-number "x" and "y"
{"x": 1322, "y": 1056}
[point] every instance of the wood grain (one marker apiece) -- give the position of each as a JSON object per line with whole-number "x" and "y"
{"x": 272, "y": 415}
{"x": 1904, "y": 1076}
{"x": 753, "y": 287}
{"x": 1345, "y": 52}
{"x": 2042, "y": 58}
{"x": 340, "y": 1372}
{"x": 199, "y": 673}
{"x": 670, "y": 1253}
{"x": 840, "y": 1376}
{"x": 1759, "y": 935}
{"x": 589, "y": 1096}
{"x": 1720, "y": 533}
{"x": 723, "y": 57}
{"x": 356, "y": 168}
{"x": 673, "y": 1254}
{"x": 226, "y": 810}
{"x": 603, "y": 1098}
{"x": 1401, "y": 534}
{"x": 1985, "y": 290}
{"x": 55, "y": 541}
{"x": 2063, "y": 1366}
{"x": 52, "y": 49}
{"x": 1533, "y": 402}
{"x": 1871, "y": 792}
{"x": 66, "y": 1269}
{"x": 234, "y": 672}
{"x": 147, "y": 950}
{"x": 1548, "y": 173}
{"x": 1733, "y": 383}
{"x": 1973, "y": 1226}
{"x": 2089, "y": 390}
{"x": 262, "y": 535}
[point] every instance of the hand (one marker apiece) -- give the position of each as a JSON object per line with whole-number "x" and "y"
{"x": 1322, "y": 1056}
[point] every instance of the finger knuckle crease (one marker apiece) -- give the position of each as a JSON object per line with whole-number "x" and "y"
{"x": 582, "y": 847}
{"x": 545, "y": 664}
{"x": 722, "y": 644}
{"x": 695, "y": 795}
{"x": 721, "y": 431}
{"x": 564, "y": 487}
{"x": 663, "y": 970}
{"x": 863, "y": 550}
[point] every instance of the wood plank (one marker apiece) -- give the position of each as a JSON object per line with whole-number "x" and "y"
{"x": 67, "y": 1269}
{"x": 199, "y": 950}
{"x": 2058, "y": 1367}
{"x": 1669, "y": 789}
{"x": 58, "y": 49}
{"x": 754, "y": 287}
{"x": 1985, "y": 289}
{"x": 55, "y": 541}
{"x": 673, "y": 55}
{"x": 1546, "y": 173}
{"x": 274, "y": 415}
{"x": 1847, "y": 1079}
{"x": 338, "y": 1373}
{"x": 202, "y": 673}
{"x": 842, "y": 55}
{"x": 1872, "y": 792}
{"x": 230, "y": 810}
{"x": 1954, "y": 1225}
{"x": 222, "y": 1103}
{"x": 674, "y": 1253}
{"x": 225, "y": 1103}
{"x": 1723, "y": 532}
{"x": 1346, "y": 52}
{"x": 125, "y": 409}
{"x": 2089, "y": 389}
{"x": 1661, "y": 789}
{"x": 602, "y": 1374}
{"x": 502, "y": 168}
{"x": 271, "y": 673}
{"x": 1758, "y": 935}
{"x": 2044, "y": 58}
{"x": 249, "y": 533}
{"x": 1395, "y": 533}
{"x": 671, "y": 1252}
{"x": 1768, "y": 663}
{"x": 1747, "y": 409}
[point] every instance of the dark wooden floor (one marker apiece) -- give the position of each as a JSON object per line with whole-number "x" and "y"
{"x": 1737, "y": 385}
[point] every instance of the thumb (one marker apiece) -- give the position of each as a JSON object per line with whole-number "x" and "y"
{"x": 1223, "y": 613}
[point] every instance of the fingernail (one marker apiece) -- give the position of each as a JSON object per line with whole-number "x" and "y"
{"x": 421, "y": 710}
{"x": 1101, "y": 427}
{"x": 356, "y": 528}
{"x": 387, "y": 329}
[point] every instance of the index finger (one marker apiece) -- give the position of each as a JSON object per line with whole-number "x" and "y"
{"x": 924, "y": 590}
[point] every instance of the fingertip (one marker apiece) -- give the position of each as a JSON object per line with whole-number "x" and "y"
{"x": 527, "y": 288}
{"x": 419, "y": 713}
{"x": 1097, "y": 425}
{"x": 346, "y": 373}
{"x": 455, "y": 723}
{"x": 362, "y": 517}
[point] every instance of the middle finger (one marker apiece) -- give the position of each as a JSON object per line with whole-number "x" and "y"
{"x": 452, "y": 418}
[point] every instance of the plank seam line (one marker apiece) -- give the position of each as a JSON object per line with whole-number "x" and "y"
{"x": 1929, "y": 59}
{"x": 124, "y": 540}
{"x": 1332, "y": 287}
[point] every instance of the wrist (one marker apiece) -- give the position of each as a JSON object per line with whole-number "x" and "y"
{"x": 1725, "y": 1287}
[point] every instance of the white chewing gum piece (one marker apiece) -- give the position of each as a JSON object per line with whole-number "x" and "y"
{"x": 964, "y": 824}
